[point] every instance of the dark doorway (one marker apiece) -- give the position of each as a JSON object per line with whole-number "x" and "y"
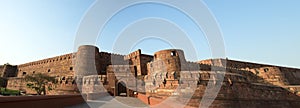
{"x": 135, "y": 72}
{"x": 122, "y": 90}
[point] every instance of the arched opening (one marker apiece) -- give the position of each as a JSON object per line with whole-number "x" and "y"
{"x": 122, "y": 90}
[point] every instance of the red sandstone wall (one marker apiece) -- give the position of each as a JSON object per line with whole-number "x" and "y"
{"x": 145, "y": 59}
{"x": 135, "y": 60}
{"x": 140, "y": 61}
{"x": 60, "y": 66}
{"x": 272, "y": 74}
{"x": 121, "y": 73}
{"x": 105, "y": 59}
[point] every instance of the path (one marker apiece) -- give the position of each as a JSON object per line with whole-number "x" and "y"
{"x": 109, "y": 102}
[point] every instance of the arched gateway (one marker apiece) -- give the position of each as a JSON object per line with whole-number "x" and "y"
{"x": 122, "y": 89}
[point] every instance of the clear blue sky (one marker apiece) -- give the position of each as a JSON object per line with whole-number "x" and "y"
{"x": 254, "y": 30}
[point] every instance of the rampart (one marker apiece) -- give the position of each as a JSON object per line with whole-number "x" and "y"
{"x": 165, "y": 74}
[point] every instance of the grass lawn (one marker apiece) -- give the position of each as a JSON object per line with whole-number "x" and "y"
{"x": 8, "y": 92}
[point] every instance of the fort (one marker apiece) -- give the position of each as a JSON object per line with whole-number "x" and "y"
{"x": 160, "y": 76}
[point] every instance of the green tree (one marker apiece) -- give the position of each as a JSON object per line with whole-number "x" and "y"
{"x": 39, "y": 82}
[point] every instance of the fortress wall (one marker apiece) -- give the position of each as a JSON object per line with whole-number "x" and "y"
{"x": 292, "y": 75}
{"x": 121, "y": 73}
{"x": 247, "y": 95}
{"x": 236, "y": 93}
{"x": 135, "y": 59}
{"x": 92, "y": 84}
{"x": 105, "y": 59}
{"x": 60, "y": 66}
{"x": 145, "y": 59}
{"x": 139, "y": 60}
{"x": 62, "y": 88}
{"x": 232, "y": 64}
{"x": 18, "y": 84}
{"x": 188, "y": 80}
{"x": 117, "y": 59}
{"x": 273, "y": 74}
{"x": 232, "y": 76}
{"x": 190, "y": 66}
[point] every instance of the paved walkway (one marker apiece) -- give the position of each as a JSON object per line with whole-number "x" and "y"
{"x": 109, "y": 102}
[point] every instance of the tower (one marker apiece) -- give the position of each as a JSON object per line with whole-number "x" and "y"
{"x": 86, "y": 60}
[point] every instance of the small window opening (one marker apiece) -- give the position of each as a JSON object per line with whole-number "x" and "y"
{"x": 173, "y": 53}
{"x": 63, "y": 78}
{"x": 266, "y": 69}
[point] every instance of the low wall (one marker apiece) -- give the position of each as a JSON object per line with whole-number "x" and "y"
{"x": 54, "y": 101}
{"x": 224, "y": 103}
{"x": 152, "y": 101}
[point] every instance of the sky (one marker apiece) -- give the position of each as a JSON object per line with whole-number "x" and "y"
{"x": 254, "y": 30}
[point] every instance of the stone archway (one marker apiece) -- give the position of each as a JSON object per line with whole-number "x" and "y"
{"x": 121, "y": 89}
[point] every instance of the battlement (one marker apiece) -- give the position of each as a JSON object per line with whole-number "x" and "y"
{"x": 133, "y": 54}
{"x": 112, "y": 54}
{"x": 240, "y": 64}
{"x": 50, "y": 60}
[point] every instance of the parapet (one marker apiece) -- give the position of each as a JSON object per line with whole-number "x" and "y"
{"x": 88, "y": 48}
{"x": 50, "y": 60}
